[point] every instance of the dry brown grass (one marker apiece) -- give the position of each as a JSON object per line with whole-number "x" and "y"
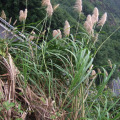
{"x": 3, "y": 15}
{"x": 13, "y": 90}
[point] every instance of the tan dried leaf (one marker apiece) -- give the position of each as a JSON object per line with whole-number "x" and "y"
{"x": 3, "y": 15}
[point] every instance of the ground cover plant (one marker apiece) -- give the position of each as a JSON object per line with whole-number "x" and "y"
{"x": 45, "y": 78}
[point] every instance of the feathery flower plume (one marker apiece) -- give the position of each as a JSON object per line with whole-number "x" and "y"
{"x": 93, "y": 74}
{"x": 25, "y": 12}
{"x": 89, "y": 25}
{"x": 45, "y": 2}
{"x": 32, "y": 36}
{"x": 67, "y": 28}
{"x": 23, "y": 15}
{"x": 78, "y": 6}
{"x": 95, "y": 38}
{"x": 95, "y": 15}
{"x": 55, "y": 7}
{"x": 110, "y": 63}
{"x": 60, "y": 34}
{"x": 103, "y": 19}
{"x": 55, "y": 32}
{"x": 49, "y": 10}
{"x": 3, "y": 15}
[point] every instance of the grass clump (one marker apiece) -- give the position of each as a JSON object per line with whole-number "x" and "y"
{"x": 55, "y": 78}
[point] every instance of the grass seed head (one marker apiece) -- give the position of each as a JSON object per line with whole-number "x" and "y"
{"x": 45, "y": 2}
{"x": 23, "y": 15}
{"x": 103, "y": 19}
{"x": 93, "y": 74}
{"x": 110, "y": 63}
{"x": 78, "y": 6}
{"x": 89, "y": 25}
{"x": 55, "y": 7}
{"x": 67, "y": 28}
{"x": 59, "y": 32}
{"x": 32, "y": 36}
{"x": 3, "y": 15}
{"x": 55, "y": 32}
{"x": 49, "y": 10}
{"x": 95, "y": 15}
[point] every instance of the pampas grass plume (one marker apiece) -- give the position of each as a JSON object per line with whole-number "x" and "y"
{"x": 103, "y": 19}
{"x": 95, "y": 37}
{"x": 93, "y": 74}
{"x": 67, "y": 28}
{"x": 95, "y": 15}
{"x": 3, "y": 15}
{"x": 88, "y": 24}
{"x": 45, "y": 2}
{"x": 55, "y": 32}
{"x": 23, "y": 15}
{"x": 56, "y": 6}
{"x": 60, "y": 34}
{"x": 32, "y": 36}
{"x": 110, "y": 63}
{"x": 49, "y": 10}
{"x": 78, "y": 6}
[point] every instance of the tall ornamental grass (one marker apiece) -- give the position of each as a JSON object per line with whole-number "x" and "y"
{"x": 55, "y": 78}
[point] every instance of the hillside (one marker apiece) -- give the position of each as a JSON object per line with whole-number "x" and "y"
{"x": 110, "y": 49}
{"x": 110, "y": 6}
